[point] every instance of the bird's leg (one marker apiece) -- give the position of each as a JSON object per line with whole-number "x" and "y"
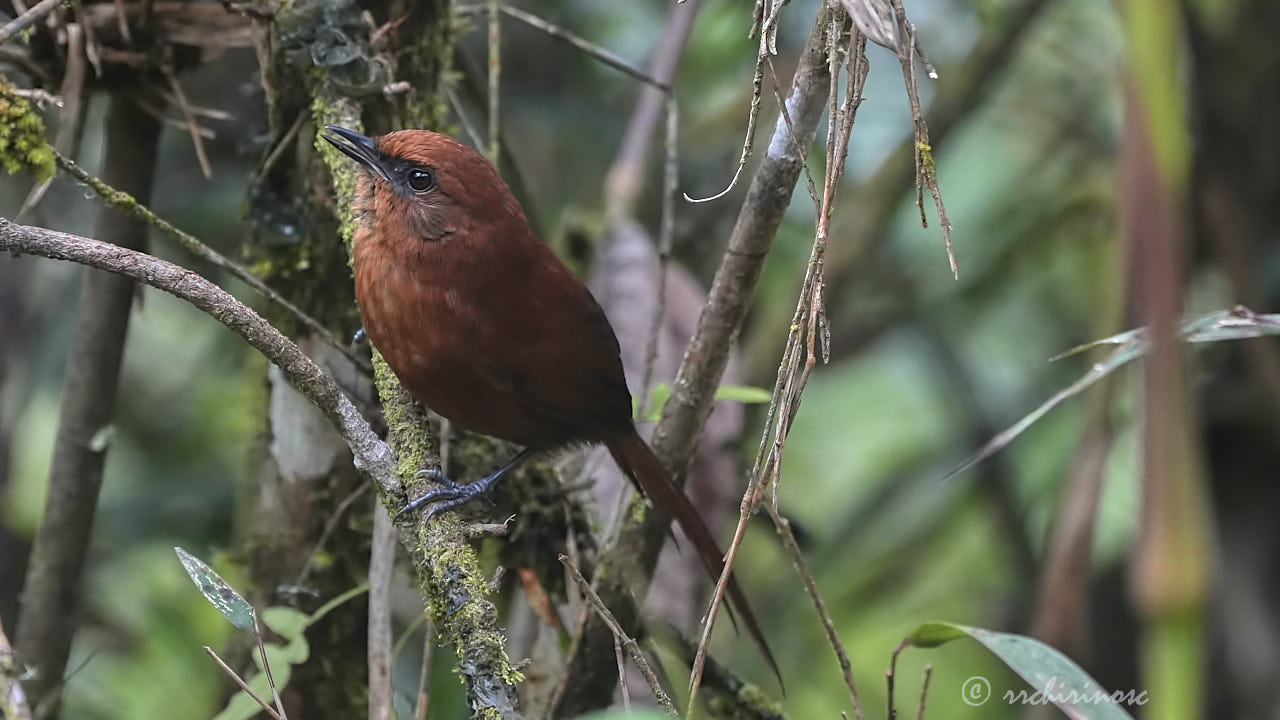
{"x": 453, "y": 494}
{"x": 359, "y": 336}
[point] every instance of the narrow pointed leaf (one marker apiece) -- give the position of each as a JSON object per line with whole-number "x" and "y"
{"x": 217, "y": 591}
{"x": 1049, "y": 672}
{"x": 743, "y": 394}
{"x": 1236, "y": 324}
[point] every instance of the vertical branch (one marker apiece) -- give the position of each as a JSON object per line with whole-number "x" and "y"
{"x": 495, "y": 74}
{"x": 666, "y": 232}
{"x": 624, "y": 572}
{"x": 791, "y": 381}
{"x": 382, "y": 563}
{"x": 51, "y": 600}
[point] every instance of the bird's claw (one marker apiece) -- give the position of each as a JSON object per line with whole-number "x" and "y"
{"x": 449, "y": 496}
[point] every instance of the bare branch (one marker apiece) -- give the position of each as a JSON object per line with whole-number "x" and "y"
{"x": 924, "y": 691}
{"x": 241, "y": 683}
{"x": 193, "y": 125}
{"x": 123, "y": 201}
{"x": 382, "y": 563}
{"x": 495, "y": 72}
{"x": 372, "y": 456}
{"x": 926, "y": 168}
{"x": 620, "y": 635}
{"x": 819, "y": 605}
{"x": 753, "y": 115}
{"x": 28, "y": 18}
{"x": 577, "y": 41}
{"x": 266, "y": 668}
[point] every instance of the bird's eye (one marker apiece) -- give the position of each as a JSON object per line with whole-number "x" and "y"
{"x": 421, "y": 179}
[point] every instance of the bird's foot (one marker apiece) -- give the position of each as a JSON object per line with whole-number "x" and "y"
{"x": 451, "y": 494}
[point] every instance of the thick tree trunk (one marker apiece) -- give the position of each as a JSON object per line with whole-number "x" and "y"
{"x": 51, "y": 598}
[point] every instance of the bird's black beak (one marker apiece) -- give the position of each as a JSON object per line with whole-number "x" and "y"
{"x": 358, "y": 148}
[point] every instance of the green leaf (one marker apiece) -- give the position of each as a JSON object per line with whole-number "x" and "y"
{"x": 658, "y": 398}
{"x": 217, "y": 591}
{"x": 661, "y": 393}
{"x": 286, "y": 622}
{"x": 282, "y": 656}
{"x": 1053, "y": 676}
{"x": 933, "y": 634}
{"x": 743, "y": 394}
{"x": 1235, "y": 324}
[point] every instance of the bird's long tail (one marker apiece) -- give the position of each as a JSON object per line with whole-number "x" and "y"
{"x": 637, "y": 460}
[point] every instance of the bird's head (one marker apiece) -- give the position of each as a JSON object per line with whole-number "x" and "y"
{"x": 426, "y": 184}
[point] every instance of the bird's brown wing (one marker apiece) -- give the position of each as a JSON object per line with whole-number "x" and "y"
{"x": 557, "y": 357}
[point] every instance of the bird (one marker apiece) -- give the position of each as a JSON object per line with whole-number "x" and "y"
{"x": 482, "y": 323}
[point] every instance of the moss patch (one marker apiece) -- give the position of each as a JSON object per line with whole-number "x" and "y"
{"x": 23, "y": 147}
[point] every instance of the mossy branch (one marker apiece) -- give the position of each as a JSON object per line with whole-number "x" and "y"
{"x": 447, "y": 566}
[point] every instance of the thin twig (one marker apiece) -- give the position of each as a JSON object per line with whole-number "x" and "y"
{"x": 243, "y": 686}
{"x": 819, "y": 605}
{"x": 424, "y": 672}
{"x": 753, "y": 115}
{"x": 620, "y": 635}
{"x": 28, "y": 18}
{"x": 926, "y": 167}
{"x": 799, "y": 149}
{"x": 39, "y": 96}
{"x": 622, "y": 674}
{"x": 463, "y": 118}
{"x": 23, "y": 62}
{"x": 891, "y": 713}
{"x": 124, "y": 201}
{"x": 192, "y": 125}
{"x": 122, "y": 22}
{"x": 666, "y": 233}
{"x": 199, "y": 111}
{"x": 626, "y": 176}
{"x": 478, "y": 530}
{"x": 330, "y": 526}
{"x": 92, "y": 49}
{"x": 924, "y": 691}
{"x": 156, "y": 110}
{"x": 266, "y": 666}
{"x": 278, "y": 151}
{"x": 69, "y": 126}
{"x": 577, "y": 41}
